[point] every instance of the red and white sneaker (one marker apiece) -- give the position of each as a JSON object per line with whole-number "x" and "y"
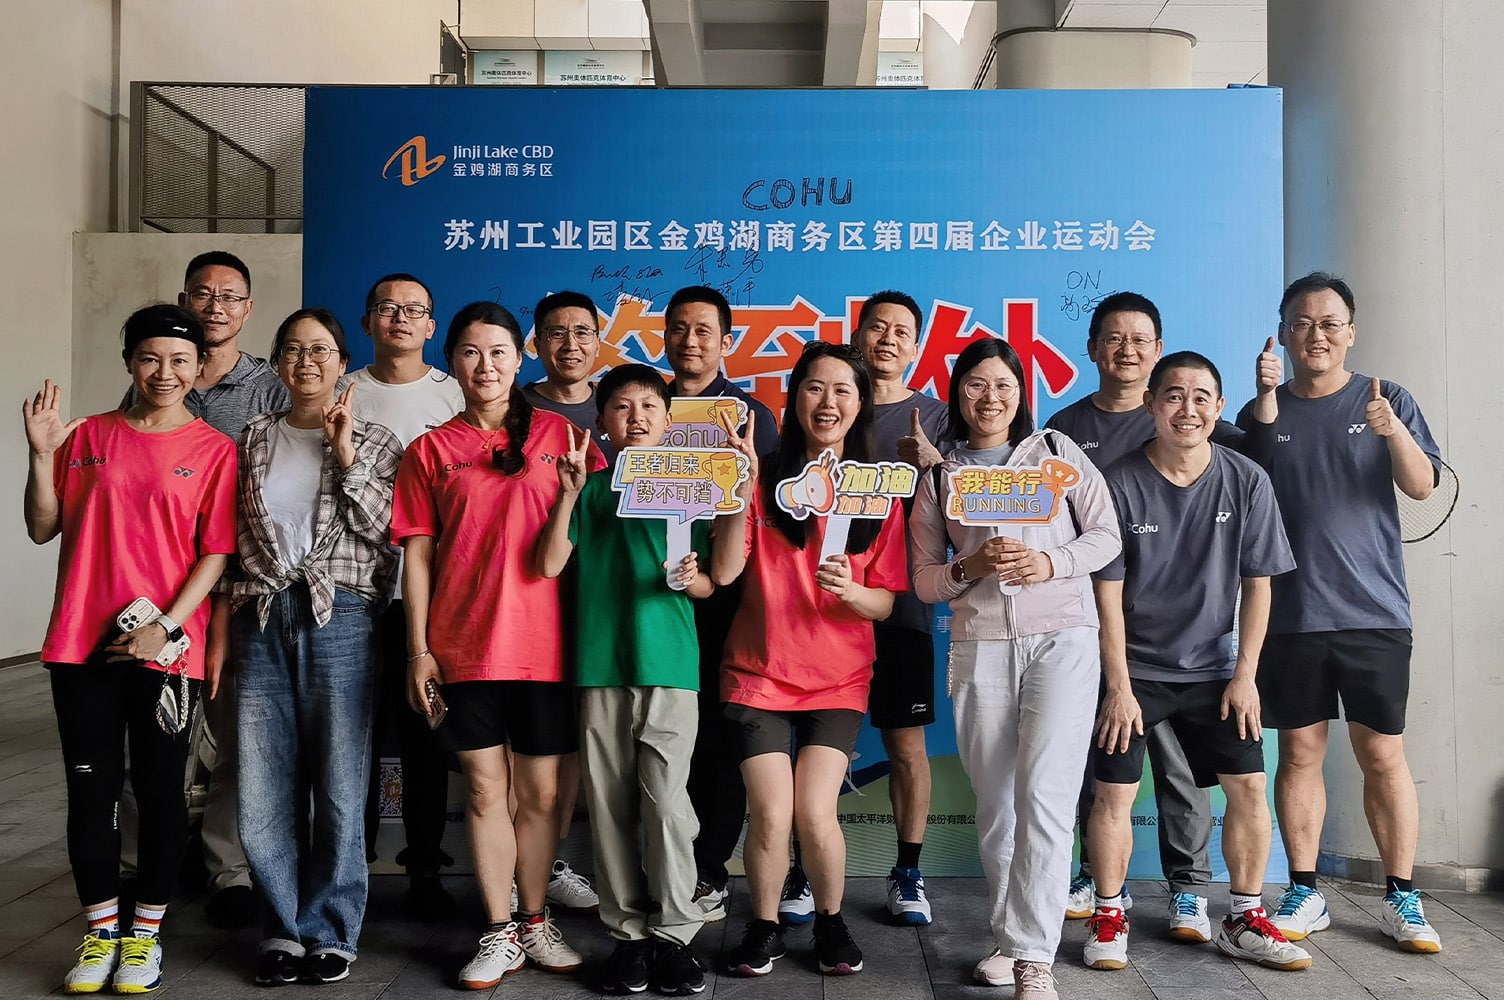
{"x": 1251, "y": 937}
{"x": 1106, "y": 939}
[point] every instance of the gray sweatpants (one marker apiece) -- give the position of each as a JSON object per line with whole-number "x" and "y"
{"x": 635, "y": 748}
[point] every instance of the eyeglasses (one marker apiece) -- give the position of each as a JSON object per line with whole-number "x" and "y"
{"x": 202, "y": 297}
{"x": 975, "y": 388}
{"x": 292, "y": 353}
{"x": 412, "y": 310}
{"x": 579, "y": 334}
{"x": 1328, "y": 327}
{"x": 1116, "y": 340}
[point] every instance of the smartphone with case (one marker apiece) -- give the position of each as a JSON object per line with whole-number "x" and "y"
{"x": 435, "y": 704}
{"x": 141, "y": 611}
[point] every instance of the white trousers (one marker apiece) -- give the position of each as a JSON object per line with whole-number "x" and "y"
{"x": 1024, "y": 712}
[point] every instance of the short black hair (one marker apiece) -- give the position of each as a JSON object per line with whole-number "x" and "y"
{"x": 1183, "y": 359}
{"x": 324, "y": 318}
{"x": 217, "y": 258}
{"x": 700, "y": 293}
{"x": 623, "y": 376}
{"x": 371, "y": 298}
{"x": 1318, "y": 281}
{"x": 161, "y": 320}
{"x": 566, "y": 300}
{"x": 1123, "y": 302}
{"x": 890, "y": 296}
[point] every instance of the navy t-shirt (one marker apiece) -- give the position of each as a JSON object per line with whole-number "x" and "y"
{"x": 1335, "y": 484}
{"x": 892, "y": 421}
{"x": 1108, "y": 436}
{"x": 1186, "y": 550}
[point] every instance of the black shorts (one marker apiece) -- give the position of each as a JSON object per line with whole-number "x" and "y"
{"x": 903, "y": 678}
{"x": 756, "y": 731}
{"x": 1194, "y": 711}
{"x": 1303, "y": 674}
{"x": 537, "y": 718}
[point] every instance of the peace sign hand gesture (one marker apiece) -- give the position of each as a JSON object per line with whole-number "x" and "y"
{"x": 743, "y": 443}
{"x": 572, "y": 464}
{"x": 43, "y": 417}
{"x": 339, "y": 427}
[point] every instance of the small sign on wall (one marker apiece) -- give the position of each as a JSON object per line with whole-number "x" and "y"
{"x": 504, "y": 67}
{"x": 603, "y": 68}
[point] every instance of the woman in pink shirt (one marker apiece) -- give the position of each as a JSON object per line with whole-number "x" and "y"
{"x": 798, "y": 660}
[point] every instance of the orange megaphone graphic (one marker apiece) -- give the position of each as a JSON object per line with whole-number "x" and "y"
{"x": 812, "y": 491}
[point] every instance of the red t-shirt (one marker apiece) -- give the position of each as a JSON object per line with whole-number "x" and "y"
{"x": 138, "y": 511}
{"x": 490, "y": 617}
{"x": 793, "y": 647}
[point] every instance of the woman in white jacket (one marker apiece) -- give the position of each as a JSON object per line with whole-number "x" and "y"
{"x": 1024, "y": 664}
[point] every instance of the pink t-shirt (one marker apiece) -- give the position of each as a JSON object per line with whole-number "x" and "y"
{"x": 793, "y": 647}
{"x": 490, "y": 617}
{"x": 138, "y": 511}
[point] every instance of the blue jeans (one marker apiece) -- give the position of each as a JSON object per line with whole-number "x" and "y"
{"x": 305, "y": 749}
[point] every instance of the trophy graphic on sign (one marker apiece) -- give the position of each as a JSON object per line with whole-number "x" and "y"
{"x": 727, "y": 469}
{"x": 679, "y": 486}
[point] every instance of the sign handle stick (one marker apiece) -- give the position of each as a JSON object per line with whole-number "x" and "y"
{"x": 678, "y": 547}
{"x": 1016, "y": 532}
{"x": 837, "y": 527}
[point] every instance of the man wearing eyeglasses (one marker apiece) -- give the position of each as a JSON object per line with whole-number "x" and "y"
{"x": 233, "y": 387}
{"x": 1337, "y": 444}
{"x": 566, "y": 335}
{"x": 403, "y": 392}
{"x": 1124, "y": 340}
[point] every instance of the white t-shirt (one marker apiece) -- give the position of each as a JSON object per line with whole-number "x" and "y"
{"x": 409, "y": 409}
{"x": 291, "y": 493}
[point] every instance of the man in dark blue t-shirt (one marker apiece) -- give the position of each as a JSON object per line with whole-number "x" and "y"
{"x": 1337, "y": 444}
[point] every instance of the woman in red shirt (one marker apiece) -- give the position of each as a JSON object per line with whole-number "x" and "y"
{"x": 472, "y": 495}
{"x": 144, "y": 499}
{"x": 798, "y": 660}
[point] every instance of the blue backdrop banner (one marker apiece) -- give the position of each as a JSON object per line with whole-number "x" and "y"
{"x": 1006, "y": 213}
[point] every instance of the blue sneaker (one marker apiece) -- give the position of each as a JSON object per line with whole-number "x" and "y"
{"x": 906, "y": 899}
{"x": 1403, "y": 919}
{"x": 1300, "y": 912}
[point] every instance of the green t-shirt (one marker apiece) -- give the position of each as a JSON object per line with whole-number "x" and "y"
{"x": 633, "y": 631}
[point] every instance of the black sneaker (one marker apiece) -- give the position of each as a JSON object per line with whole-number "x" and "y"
{"x": 326, "y": 967}
{"x": 627, "y": 969}
{"x": 231, "y": 907}
{"x": 838, "y": 954}
{"x": 762, "y": 944}
{"x": 677, "y": 971}
{"x": 276, "y": 968}
{"x": 427, "y": 899}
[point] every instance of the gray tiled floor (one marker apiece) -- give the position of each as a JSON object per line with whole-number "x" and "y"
{"x": 402, "y": 959}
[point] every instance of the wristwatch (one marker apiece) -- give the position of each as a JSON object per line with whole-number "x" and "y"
{"x": 174, "y": 630}
{"x": 958, "y": 571}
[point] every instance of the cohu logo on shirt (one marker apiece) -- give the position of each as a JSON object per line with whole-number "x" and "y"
{"x": 1143, "y": 529}
{"x": 86, "y": 461}
{"x": 454, "y": 467}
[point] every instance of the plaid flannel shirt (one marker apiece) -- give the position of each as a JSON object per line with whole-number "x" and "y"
{"x": 351, "y": 528}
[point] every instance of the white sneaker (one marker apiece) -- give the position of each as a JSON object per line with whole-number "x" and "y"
{"x": 96, "y": 965}
{"x": 544, "y": 944}
{"x": 1081, "y": 902}
{"x": 571, "y": 890}
{"x": 140, "y": 969}
{"x": 994, "y": 970}
{"x": 907, "y": 901}
{"x": 1300, "y": 911}
{"x": 711, "y": 901}
{"x": 1188, "y": 919}
{"x": 798, "y": 903}
{"x": 1033, "y": 981}
{"x": 499, "y": 953}
{"x": 1106, "y": 940}
{"x": 1403, "y": 919}
{"x": 1251, "y": 937}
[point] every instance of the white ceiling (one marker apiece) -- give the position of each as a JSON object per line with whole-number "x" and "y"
{"x": 1231, "y": 38}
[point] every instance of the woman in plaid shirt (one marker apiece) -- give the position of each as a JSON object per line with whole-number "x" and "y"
{"x": 315, "y": 510}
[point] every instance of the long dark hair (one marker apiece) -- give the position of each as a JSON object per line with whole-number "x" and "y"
{"x": 519, "y": 419}
{"x": 975, "y": 353}
{"x": 788, "y": 459}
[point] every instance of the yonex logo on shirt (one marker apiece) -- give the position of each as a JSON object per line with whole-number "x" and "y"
{"x": 1143, "y": 529}
{"x": 182, "y": 471}
{"x": 1355, "y": 428}
{"x": 1223, "y": 516}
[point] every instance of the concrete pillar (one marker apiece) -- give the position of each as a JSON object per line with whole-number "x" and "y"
{"x": 1392, "y": 113}
{"x": 1092, "y": 59}
{"x": 951, "y": 60}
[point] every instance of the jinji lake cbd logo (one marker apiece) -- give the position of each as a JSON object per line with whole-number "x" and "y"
{"x": 413, "y": 163}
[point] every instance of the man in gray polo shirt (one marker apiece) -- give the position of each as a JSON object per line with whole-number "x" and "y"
{"x": 566, "y": 335}
{"x": 1198, "y": 522}
{"x": 1337, "y": 444}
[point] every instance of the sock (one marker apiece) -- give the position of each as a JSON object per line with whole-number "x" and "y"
{"x": 1113, "y": 902}
{"x": 104, "y": 921}
{"x": 528, "y": 918}
{"x": 908, "y": 854}
{"x": 497, "y": 925}
{"x": 1307, "y": 879}
{"x": 1394, "y": 884}
{"x": 1242, "y": 903}
{"x": 148, "y": 921}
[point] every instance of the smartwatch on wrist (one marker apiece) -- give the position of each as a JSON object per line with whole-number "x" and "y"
{"x": 173, "y": 629}
{"x": 958, "y": 571}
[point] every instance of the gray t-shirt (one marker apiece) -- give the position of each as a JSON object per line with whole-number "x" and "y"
{"x": 1107, "y": 437}
{"x": 248, "y": 390}
{"x": 584, "y": 415}
{"x": 892, "y": 421}
{"x": 1185, "y": 551}
{"x": 1335, "y": 484}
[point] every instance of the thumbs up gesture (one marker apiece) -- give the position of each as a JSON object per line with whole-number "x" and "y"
{"x": 1378, "y": 412}
{"x": 916, "y": 448}
{"x": 1269, "y": 369}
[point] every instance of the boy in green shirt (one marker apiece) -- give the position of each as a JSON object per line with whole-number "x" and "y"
{"x": 637, "y": 666}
